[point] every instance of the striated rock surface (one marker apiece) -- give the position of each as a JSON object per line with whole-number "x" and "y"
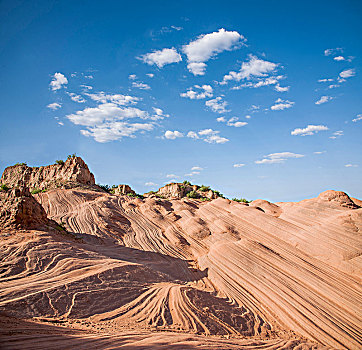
{"x": 19, "y": 209}
{"x": 72, "y": 173}
{"x": 338, "y": 197}
{"x": 267, "y": 207}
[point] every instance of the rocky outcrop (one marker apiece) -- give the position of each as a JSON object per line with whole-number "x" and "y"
{"x": 180, "y": 190}
{"x": 72, "y": 173}
{"x": 338, "y": 197}
{"x": 266, "y": 207}
{"x": 123, "y": 189}
{"x": 20, "y": 210}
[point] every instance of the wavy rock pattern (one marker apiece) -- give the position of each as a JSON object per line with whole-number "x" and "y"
{"x": 284, "y": 275}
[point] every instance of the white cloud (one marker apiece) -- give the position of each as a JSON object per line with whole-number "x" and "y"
{"x": 141, "y": 86}
{"x": 238, "y": 165}
{"x": 172, "y": 135}
{"x": 61, "y": 123}
{"x": 117, "y": 99}
{"x": 209, "y": 45}
{"x": 88, "y": 76}
{"x": 211, "y": 136}
{"x": 281, "y": 88}
{"x": 162, "y": 57}
{"x": 351, "y": 165}
{"x": 332, "y": 86}
{"x": 86, "y": 87}
{"x": 150, "y": 75}
{"x": 319, "y": 152}
{"x": 336, "y": 134}
{"x": 347, "y": 73}
{"x": 275, "y": 158}
{"x": 76, "y": 98}
{"x": 330, "y": 52}
{"x": 281, "y": 104}
{"x": 339, "y": 58}
{"x": 54, "y": 106}
{"x": 192, "y": 135}
{"x": 358, "y": 117}
{"x": 324, "y": 99}
{"x": 309, "y": 130}
{"x": 105, "y": 112}
{"x": 59, "y": 80}
{"x": 255, "y": 67}
{"x": 115, "y": 130}
{"x": 159, "y": 114}
{"x": 206, "y": 91}
{"x": 221, "y": 120}
{"x": 234, "y": 122}
{"x": 217, "y": 105}
{"x": 150, "y": 184}
{"x": 325, "y": 80}
{"x": 247, "y": 116}
{"x": 132, "y": 77}
{"x": 171, "y": 176}
{"x": 196, "y": 168}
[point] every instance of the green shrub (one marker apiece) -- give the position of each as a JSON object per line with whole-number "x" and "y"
{"x": 241, "y": 200}
{"x": 104, "y": 187}
{"x": 70, "y": 156}
{"x": 187, "y": 183}
{"x": 205, "y": 199}
{"x": 4, "y": 188}
{"x": 20, "y": 164}
{"x": 59, "y": 162}
{"x": 219, "y": 194}
{"x": 204, "y": 188}
{"x": 35, "y": 191}
{"x": 193, "y": 194}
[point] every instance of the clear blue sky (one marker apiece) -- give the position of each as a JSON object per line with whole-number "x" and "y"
{"x": 259, "y": 99}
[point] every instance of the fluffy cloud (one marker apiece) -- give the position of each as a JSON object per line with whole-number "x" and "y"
{"x": 54, "y": 106}
{"x": 209, "y": 45}
{"x": 324, "y": 80}
{"x": 330, "y": 52}
{"x": 76, "y": 98}
{"x": 59, "y": 80}
{"x": 274, "y": 158}
{"x": 324, "y": 99}
{"x": 172, "y": 135}
{"x": 132, "y": 77}
{"x": 217, "y": 105}
{"x": 150, "y": 75}
{"x": 274, "y": 80}
{"x": 112, "y": 131}
{"x": 232, "y": 122}
{"x": 347, "y": 73}
{"x": 204, "y": 91}
{"x": 358, "y": 117}
{"x": 211, "y": 136}
{"x": 281, "y": 88}
{"x": 196, "y": 168}
{"x": 158, "y": 114}
{"x": 255, "y": 67}
{"x": 161, "y": 57}
{"x": 281, "y": 104}
{"x": 319, "y": 152}
{"x": 351, "y": 165}
{"x": 105, "y": 112}
{"x": 150, "y": 184}
{"x": 117, "y": 99}
{"x": 309, "y": 130}
{"x": 339, "y": 58}
{"x": 141, "y": 86}
{"x": 238, "y": 165}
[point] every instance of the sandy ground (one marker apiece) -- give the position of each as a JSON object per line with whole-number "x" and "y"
{"x": 184, "y": 274}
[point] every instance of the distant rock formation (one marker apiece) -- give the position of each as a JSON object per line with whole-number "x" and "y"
{"x": 180, "y": 190}
{"x": 20, "y": 210}
{"x": 338, "y": 197}
{"x": 72, "y": 173}
{"x": 123, "y": 189}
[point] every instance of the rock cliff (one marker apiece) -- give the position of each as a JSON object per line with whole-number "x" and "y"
{"x": 72, "y": 173}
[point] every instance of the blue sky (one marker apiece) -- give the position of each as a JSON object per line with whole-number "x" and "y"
{"x": 259, "y": 99}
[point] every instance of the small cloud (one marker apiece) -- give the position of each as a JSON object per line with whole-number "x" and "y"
{"x": 204, "y": 91}
{"x": 217, "y": 105}
{"x": 196, "y": 168}
{"x": 161, "y": 57}
{"x": 192, "y": 135}
{"x": 336, "y": 134}
{"x": 61, "y": 123}
{"x": 339, "y": 58}
{"x": 86, "y": 87}
{"x": 211, "y": 136}
{"x": 221, "y": 120}
{"x": 172, "y": 135}
{"x": 347, "y": 73}
{"x": 132, "y": 77}
{"x": 320, "y": 152}
{"x": 238, "y": 165}
{"x": 150, "y": 75}
{"x": 275, "y": 158}
{"x": 281, "y": 88}
{"x": 89, "y": 77}
{"x": 141, "y": 86}
{"x": 330, "y": 52}
{"x": 325, "y": 80}
{"x": 54, "y": 106}
{"x": 324, "y": 99}
{"x": 247, "y": 116}
{"x": 150, "y": 184}
{"x": 234, "y": 122}
{"x": 281, "y": 104}
{"x": 76, "y": 98}
{"x": 358, "y": 117}
{"x": 351, "y": 165}
{"x": 59, "y": 80}
{"x": 172, "y": 176}
{"x": 309, "y": 130}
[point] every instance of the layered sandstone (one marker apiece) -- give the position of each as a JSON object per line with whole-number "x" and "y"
{"x": 73, "y": 172}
